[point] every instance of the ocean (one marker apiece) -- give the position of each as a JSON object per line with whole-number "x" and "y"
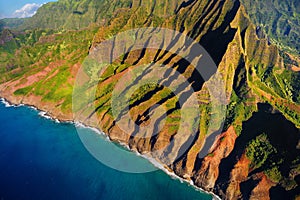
{"x": 42, "y": 159}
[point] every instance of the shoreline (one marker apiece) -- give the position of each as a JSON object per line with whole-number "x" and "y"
{"x": 151, "y": 160}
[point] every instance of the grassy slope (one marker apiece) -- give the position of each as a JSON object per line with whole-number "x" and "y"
{"x": 34, "y": 53}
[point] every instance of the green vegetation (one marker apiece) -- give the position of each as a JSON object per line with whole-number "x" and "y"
{"x": 289, "y": 113}
{"x": 73, "y": 14}
{"x": 142, "y": 91}
{"x": 291, "y": 82}
{"x": 274, "y": 174}
{"x": 238, "y": 111}
{"x": 23, "y": 91}
{"x": 265, "y": 156}
{"x": 11, "y": 23}
{"x": 25, "y": 54}
{"x": 279, "y": 19}
{"x": 259, "y": 150}
{"x": 285, "y": 84}
{"x": 282, "y": 84}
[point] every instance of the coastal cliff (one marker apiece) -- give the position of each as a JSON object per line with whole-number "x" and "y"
{"x": 250, "y": 159}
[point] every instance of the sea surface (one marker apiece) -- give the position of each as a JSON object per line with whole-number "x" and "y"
{"x": 42, "y": 159}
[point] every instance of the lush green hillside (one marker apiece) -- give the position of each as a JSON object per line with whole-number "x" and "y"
{"x": 66, "y": 14}
{"x": 38, "y": 50}
{"x": 75, "y": 14}
{"x": 250, "y": 159}
{"x": 11, "y": 23}
{"x": 279, "y": 19}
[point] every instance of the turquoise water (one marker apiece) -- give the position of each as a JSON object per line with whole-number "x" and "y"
{"x": 41, "y": 159}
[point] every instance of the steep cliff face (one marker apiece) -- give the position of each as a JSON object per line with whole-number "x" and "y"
{"x": 208, "y": 173}
{"x": 252, "y": 70}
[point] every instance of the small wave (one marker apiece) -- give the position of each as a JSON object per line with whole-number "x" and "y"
{"x": 8, "y": 104}
{"x": 97, "y": 131}
{"x": 33, "y": 108}
{"x": 46, "y": 116}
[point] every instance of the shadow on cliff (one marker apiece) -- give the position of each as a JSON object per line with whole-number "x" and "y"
{"x": 282, "y": 134}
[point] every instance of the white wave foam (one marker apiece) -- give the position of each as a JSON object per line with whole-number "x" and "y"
{"x": 97, "y": 131}
{"x": 33, "y": 108}
{"x": 45, "y": 115}
{"x": 8, "y": 104}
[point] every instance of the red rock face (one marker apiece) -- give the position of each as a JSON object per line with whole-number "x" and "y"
{"x": 238, "y": 175}
{"x": 261, "y": 191}
{"x": 209, "y": 171}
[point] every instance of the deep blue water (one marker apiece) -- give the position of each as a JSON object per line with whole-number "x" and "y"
{"x": 41, "y": 159}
